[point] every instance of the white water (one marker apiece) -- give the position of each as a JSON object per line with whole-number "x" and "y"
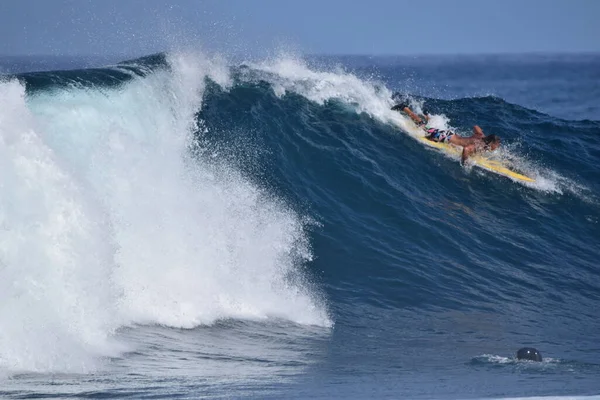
{"x": 107, "y": 221}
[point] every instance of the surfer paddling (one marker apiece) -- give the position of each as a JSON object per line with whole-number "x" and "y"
{"x": 477, "y": 143}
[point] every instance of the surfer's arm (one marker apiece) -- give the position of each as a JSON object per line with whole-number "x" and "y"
{"x": 467, "y": 152}
{"x": 478, "y": 132}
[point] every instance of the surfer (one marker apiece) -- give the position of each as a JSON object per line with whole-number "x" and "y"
{"x": 477, "y": 143}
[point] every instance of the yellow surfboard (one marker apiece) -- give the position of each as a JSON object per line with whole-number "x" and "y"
{"x": 482, "y": 162}
{"x": 478, "y": 160}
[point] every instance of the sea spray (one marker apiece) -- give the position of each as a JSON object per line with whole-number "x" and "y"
{"x": 109, "y": 220}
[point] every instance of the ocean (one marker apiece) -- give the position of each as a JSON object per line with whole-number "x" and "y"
{"x": 187, "y": 225}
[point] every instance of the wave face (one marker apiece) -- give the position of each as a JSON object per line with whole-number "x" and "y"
{"x": 277, "y": 212}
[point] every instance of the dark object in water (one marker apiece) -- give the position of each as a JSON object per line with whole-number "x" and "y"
{"x": 529, "y": 353}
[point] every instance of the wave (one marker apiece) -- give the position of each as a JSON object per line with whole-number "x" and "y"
{"x": 108, "y": 219}
{"x": 181, "y": 190}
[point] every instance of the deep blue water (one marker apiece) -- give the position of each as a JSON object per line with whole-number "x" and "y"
{"x": 181, "y": 226}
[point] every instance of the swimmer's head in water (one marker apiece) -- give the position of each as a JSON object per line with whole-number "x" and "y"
{"x": 529, "y": 353}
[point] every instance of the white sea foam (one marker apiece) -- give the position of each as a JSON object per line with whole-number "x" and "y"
{"x": 106, "y": 220}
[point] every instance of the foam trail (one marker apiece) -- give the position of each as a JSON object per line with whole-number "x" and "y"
{"x": 288, "y": 74}
{"x": 107, "y": 220}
